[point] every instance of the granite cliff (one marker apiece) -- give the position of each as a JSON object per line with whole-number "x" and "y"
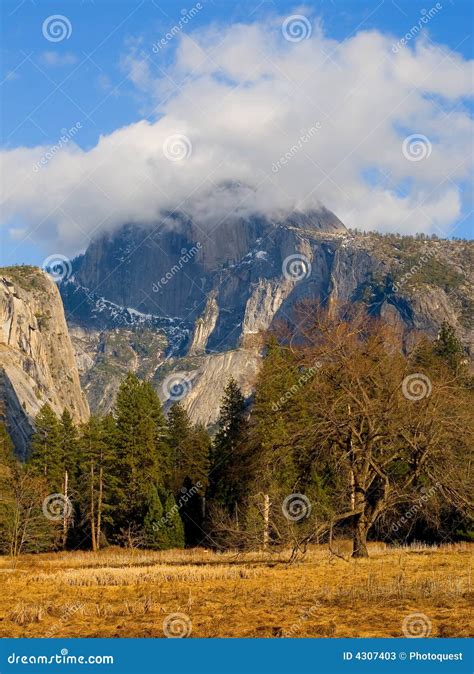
{"x": 37, "y": 360}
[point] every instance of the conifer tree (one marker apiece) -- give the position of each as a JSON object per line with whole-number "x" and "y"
{"x": 174, "y": 527}
{"x": 190, "y": 446}
{"x": 448, "y": 347}
{"x": 69, "y": 442}
{"x": 96, "y": 477}
{"x": 46, "y": 457}
{"x": 143, "y": 455}
{"x": 228, "y": 461}
{"x": 179, "y": 433}
{"x": 162, "y": 527}
{"x": 189, "y": 449}
{"x": 7, "y": 464}
{"x": 68, "y": 459}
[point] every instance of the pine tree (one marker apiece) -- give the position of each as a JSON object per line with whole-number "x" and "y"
{"x": 228, "y": 470}
{"x": 189, "y": 449}
{"x": 190, "y": 446}
{"x": 96, "y": 477}
{"x": 448, "y": 347}
{"x": 46, "y": 457}
{"x": 174, "y": 527}
{"x": 68, "y": 459}
{"x": 69, "y": 442}
{"x": 153, "y": 410}
{"x": 179, "y": 428}
{"x": 143, "y": 455}
{"x": 7, "y": 463}
{"x": 162, "y": 527}
{"x": 153, "y": 524}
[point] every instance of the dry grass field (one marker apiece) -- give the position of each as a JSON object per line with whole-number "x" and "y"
{"x": 129, "y": 593}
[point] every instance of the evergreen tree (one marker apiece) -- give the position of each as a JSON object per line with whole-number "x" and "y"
{"x": 162, "y": 526}
{"x": 153, "y": 524}
{"x": 68, "y": 459}
{"x": 448, "y": 347}
{"x": 142, "y": 453}
{"x": 228, "y": 461}
{"x": 189, "y": 449}
{"x": 190, "y": 446}
{"x": 154, "y": 411}
{"x": 96, "y": 478}
{"x": 7, "y": 464}
{"x": 179, "y": 429}
{"x": 175, "y": 528}
{"x": 69, "y": 443}
{"x": 7, "y": 457}
{"x": 46, "y": 456}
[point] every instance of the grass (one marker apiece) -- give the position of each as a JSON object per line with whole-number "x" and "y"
{"x": 129, "y": 593}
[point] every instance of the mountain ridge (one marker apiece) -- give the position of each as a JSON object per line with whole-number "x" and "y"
{"x": 231, "y": 289}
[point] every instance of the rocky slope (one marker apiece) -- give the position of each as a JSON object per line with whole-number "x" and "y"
{"x": 207, "y": 295}
{"x": 37, "y": 360}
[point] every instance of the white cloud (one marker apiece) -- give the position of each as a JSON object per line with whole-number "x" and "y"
{"x": 244, "y": 96}
{"x": 55, "y": 59}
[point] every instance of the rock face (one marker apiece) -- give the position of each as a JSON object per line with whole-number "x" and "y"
{"x": 209, "y": 295}
{"x": 37, "y": 361}
{"x": 104, "y": 358}
{"x": 204, "y": 326}
{"x": 205, "y": 378}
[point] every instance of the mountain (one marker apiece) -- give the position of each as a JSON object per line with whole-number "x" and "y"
{"x": 184, "y": 305}
{"x": 37, "y": 360}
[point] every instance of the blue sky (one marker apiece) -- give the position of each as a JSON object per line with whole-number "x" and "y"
{"x": 50, "y": 86}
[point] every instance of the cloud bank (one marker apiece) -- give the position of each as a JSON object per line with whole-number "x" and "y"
{"x": 246, "y": 120}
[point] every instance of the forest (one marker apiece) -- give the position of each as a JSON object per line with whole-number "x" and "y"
{"x": 350, "y": 432}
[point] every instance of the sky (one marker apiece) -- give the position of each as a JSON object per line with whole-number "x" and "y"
{"x": 120, "y": 111}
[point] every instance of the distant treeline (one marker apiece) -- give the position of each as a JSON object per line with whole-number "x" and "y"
{"x": 345, "y": 433}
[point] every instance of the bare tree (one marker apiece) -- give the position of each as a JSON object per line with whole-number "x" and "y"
{"x": 385, "y": 421}
{"x": 23, "y": 524}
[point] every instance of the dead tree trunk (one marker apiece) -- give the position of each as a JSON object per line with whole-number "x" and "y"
{"x": 66, "y": 512}
{"x": 266, "y": 520}
{"x": 92, "y": 508}
{"x": 99, "y": 506}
